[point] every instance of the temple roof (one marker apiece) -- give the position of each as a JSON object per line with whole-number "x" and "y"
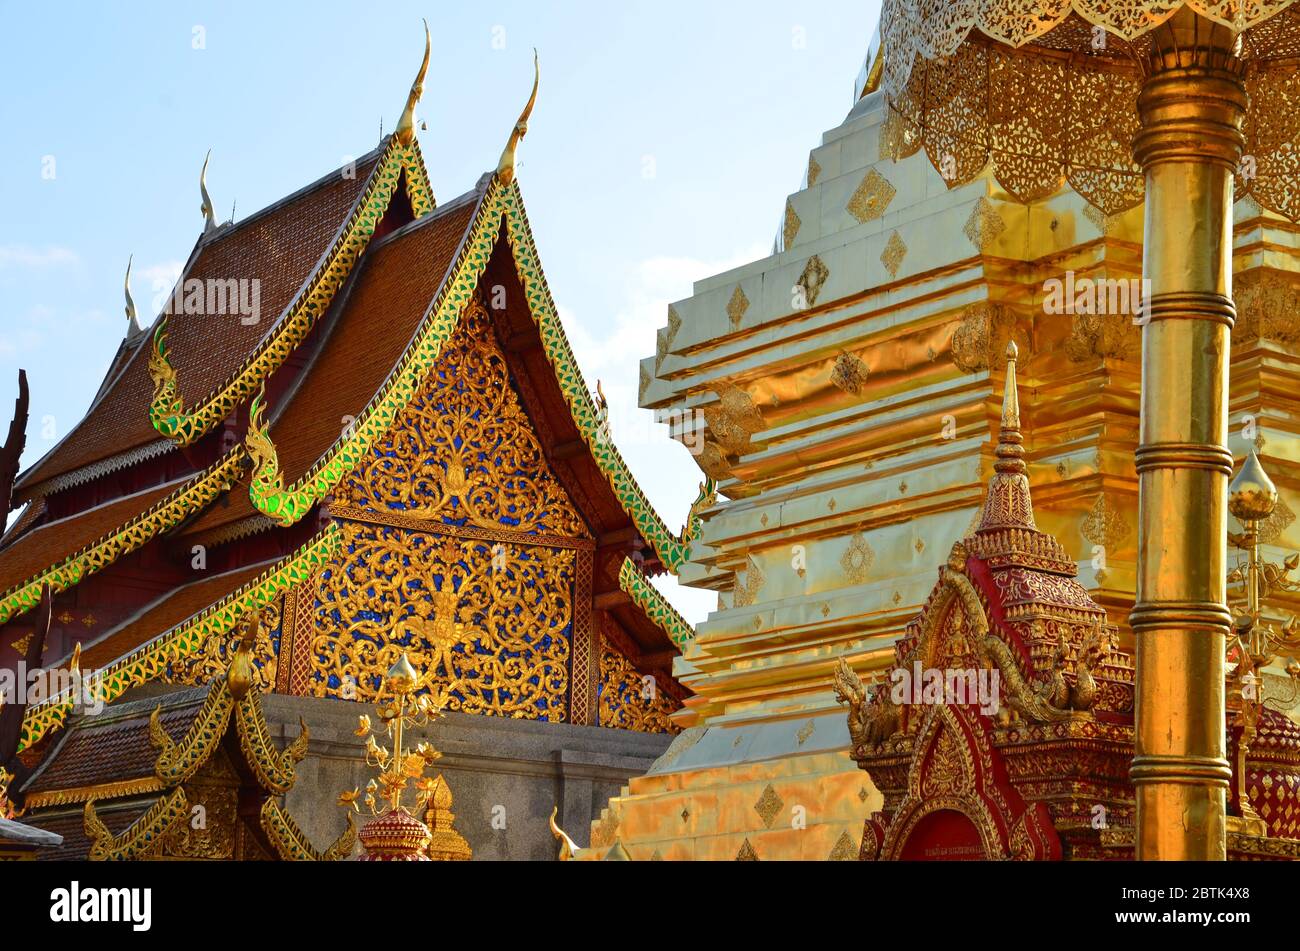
{"x": 281, "y": 246}
{"x": 376, "y": 317}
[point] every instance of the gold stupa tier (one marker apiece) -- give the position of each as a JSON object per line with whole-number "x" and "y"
{"x": 845, "y": 392}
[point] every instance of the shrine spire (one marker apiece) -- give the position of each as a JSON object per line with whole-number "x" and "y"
{"x": 133, "y": 323}
{"x": 1008, "y": 504}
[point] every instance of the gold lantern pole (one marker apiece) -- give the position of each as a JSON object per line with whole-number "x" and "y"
{"x": 1252, "y": 497}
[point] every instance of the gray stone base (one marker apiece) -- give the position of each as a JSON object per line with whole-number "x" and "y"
{"x": 505, "y": 775}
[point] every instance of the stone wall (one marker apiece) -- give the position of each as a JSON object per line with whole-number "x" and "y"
{"x": 513, "y": 770}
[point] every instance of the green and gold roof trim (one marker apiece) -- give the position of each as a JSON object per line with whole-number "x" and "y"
{"x": 184, "y": 427}
{"x": 288, "y": 504}
{"x": 673, "y": 550}
{"x": 292, "y": 845}
{"x": 647, "y": 597}
{"x": 150, "y": 660}
{"x": 185, "y": 502}
{"x": 142, "y": 836}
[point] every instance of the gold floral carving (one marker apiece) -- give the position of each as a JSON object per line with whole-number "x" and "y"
{"x": 1115, "y": 336}
{"x": 214, "y": 656}
{"x": 857, "y": 559}
{"x": 1105, "y": 525}
{"x": 736, "y": 307}
{"x": 769, "y": 806}
{"x": 813, "y": 279}
{"x": 744, "y": 592}
{"x": 492, "y": 615}
{"x": 845, "y": 850}
{"x": 892, "y": 256}
{"x": 632, "y": 701}
{"x": 984, "y": 225}
{"x": 791, "y": 227}
{"x": 872, "y": 196}
{"x": 982, "y": 336}
{"x": 734, "y": 419}
{"x": 1271, "y": 529}
{"x": 850, "y": 373}
{"x": 1267, "y": 305}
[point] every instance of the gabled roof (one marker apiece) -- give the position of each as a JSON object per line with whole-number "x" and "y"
{"x": 500, "y": 207}
{"x": 158, "y": 746}
{"x": 299, "y": 249}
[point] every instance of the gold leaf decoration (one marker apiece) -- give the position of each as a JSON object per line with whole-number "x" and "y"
{"x": 850, "y": 373}
{"x": 872, "y": 196}
{"x": 736, "y": 307}
{"x": 892, "y": 256}
{"x": 984, "y": 225}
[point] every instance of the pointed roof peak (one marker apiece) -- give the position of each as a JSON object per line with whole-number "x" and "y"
{"x": 133, "y": 322}
{"x": 405, "y": 132}
{"x": 1008, "y": 504}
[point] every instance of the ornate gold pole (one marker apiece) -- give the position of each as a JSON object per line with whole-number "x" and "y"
{"x": 1191, "y": 108}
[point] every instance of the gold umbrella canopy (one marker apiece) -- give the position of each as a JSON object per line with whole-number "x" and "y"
{"x": 1047, "y": 91}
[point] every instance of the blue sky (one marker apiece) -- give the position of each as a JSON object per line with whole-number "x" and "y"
{"x": 664, "y": 142}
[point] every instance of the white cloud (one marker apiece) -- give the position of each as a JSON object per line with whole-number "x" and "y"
{"x": 611, "y": 350}
{"x": 17, "y": 255}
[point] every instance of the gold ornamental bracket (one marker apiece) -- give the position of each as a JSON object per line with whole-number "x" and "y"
{"x": 949, "y": 74}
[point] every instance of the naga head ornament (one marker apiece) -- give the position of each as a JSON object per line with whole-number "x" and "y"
{"x": 506, "y": 167}
{"x": 209, "y": 217}
{"x": 405, "y": 132}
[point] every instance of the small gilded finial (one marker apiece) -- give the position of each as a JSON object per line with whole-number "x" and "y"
{"x": 239, "y": 678}
{"x": 1008, "y": 504}
{"x": 568, "y": 848}
{"x": 133, "y": 323}
{"x": 1252, "y": 496}
{"x": 401, "y": 677}
{"x": 209, "y": 216}
{"x": 506, "y": 167}
{"x": 405, "y": 132}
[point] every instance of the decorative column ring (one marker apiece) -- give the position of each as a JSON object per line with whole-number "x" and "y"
{"x": 1191, "y": 108}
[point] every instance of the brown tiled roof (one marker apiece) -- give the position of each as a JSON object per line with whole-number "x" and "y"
{"x": 279, "y": 246}
{"x": 70, "y": 823}
{"x": 397, "y": 283}
{"x": 165, "y": 613}
{"x": 50, "y": 543}
{"x": 113, "y": 746}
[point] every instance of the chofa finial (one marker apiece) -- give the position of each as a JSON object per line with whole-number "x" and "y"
{"x": 405, "y": 132}
{"x": 506, "y": 167}
{"x": 133, "y": 323}
{"x": 209, "y": 217}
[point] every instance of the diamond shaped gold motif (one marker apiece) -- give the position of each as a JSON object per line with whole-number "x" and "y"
{"x": 892, "y": 256}
{"x": 674, "y": 323}
{"x": 813, "y": 279}
{"x": 792, "y": 223}
{"x": 768, "y": 806}
{"x": 814, "y": 171}
{"x": 850, "y": 373}
{"x": 844, "y": 850}
{"x": 984, "y": 224}
{"x": 746, "y": 853}
{"x": 857, "y": 558}
{"x": 736, "y": 307}
{"x": 805, "y": 731}
{"x": 872, "y": 197}
{"x": 862, "y": 794}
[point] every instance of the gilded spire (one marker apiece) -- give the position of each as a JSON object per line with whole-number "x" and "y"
{"x": 133, "y": 324}
{"x": 1008, "y": 504}
{"x": 506, "y": 167}
{"x": 405, "y": 132}
{"x": 209, "y": 217}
